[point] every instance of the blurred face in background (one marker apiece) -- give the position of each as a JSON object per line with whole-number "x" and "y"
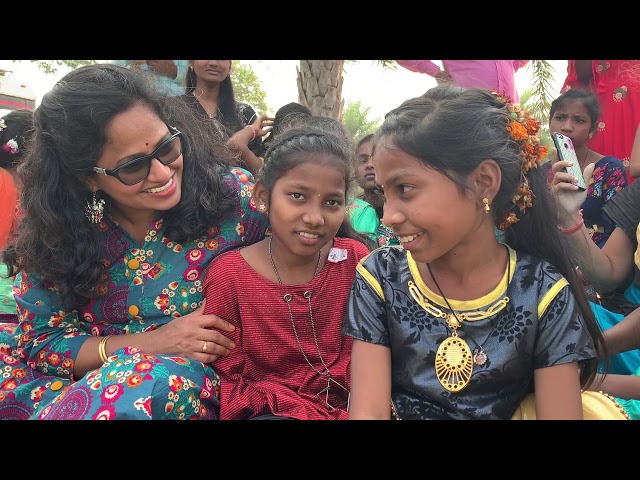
{"x": 365, "y": 175}
{"x": 211, "y": 71}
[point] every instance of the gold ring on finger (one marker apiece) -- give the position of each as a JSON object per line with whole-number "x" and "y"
{"x": 204, "y": 347}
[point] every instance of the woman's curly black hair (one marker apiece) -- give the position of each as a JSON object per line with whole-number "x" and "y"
{"x": 54, "y": 239}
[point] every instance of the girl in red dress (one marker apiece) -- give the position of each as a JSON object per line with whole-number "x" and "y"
{"x": 287, "y": 295}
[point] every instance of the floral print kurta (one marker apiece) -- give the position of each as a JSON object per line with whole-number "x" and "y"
{"x": 144, "y": 287}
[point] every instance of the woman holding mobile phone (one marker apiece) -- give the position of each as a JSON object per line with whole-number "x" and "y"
{"x": 573, "y": 121}
{"x": 606, "y": 269}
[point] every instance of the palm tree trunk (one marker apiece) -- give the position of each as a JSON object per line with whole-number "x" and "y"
{"x": 320, "y": 87}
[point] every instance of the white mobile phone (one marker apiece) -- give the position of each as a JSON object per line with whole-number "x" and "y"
{"x": 566, "y": 152}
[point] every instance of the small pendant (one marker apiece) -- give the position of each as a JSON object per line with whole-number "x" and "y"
{"x": 480, "y": 356}
{"x": 334, "y": 399}
{"x": 454, "y": 364}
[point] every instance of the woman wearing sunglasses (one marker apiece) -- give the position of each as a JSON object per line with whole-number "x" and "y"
{"x": 123, "y": 211}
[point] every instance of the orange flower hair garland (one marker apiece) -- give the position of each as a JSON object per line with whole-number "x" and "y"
{"x": 523, "y": 128}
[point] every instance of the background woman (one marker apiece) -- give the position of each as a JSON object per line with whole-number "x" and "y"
{"x": 209, "y": 91}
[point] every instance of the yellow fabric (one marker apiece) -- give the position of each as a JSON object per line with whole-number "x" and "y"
{"x": 596, "y": 406}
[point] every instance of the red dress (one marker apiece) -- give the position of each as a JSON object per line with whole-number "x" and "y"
{"x": 617, "y": 84}
{"x": 267, "y": 371}
{"x": 8, "y": 205}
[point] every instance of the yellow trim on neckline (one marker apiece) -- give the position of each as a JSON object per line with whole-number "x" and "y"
{"x": 463, "y": 305}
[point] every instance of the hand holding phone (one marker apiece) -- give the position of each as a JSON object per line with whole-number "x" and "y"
{"x": 566, "y": 152}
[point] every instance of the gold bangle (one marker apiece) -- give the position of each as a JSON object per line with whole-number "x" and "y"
{"x": 101, "y": 348}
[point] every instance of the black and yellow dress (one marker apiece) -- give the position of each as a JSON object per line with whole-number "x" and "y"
{"x": 529, "y": 321}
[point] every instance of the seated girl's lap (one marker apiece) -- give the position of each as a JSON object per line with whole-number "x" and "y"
{"x": 130, "y": 385}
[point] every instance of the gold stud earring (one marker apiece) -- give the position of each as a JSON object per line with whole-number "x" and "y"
{"x": 262, "y": 208}
{"x": 487, "y": 208}
{"x": 591, "y": 135}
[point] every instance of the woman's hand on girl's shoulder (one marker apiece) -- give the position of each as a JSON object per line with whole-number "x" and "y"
{"x": 198, "y": 336}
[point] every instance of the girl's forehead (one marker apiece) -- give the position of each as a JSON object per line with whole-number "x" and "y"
{"x": 386, "y": 147}
{"x": 572, "y": 105}
{"x": 316, "y": 169}
{"x": 303, "y": 161}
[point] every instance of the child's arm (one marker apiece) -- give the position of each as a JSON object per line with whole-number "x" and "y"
{"x": 558, "y": 392}
{"x": 420, "y": 66}
{"x": 370, "y": 382}
{"x": 604, "y": 268}
{"x": 621, "y": 386}
{"x": 625, "y": 335}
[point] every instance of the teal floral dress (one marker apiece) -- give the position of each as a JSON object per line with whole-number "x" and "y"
{"x": 144, "y": 287}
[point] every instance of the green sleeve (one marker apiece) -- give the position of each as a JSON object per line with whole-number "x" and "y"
{"x": 365, "y": 220}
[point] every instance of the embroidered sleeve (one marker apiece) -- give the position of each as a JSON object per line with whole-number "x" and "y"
{"x": 562, "y": 333}
{"x": 50, "y": 332}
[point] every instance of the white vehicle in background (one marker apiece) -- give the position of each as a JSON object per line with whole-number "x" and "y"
{"x": 14, "y": 94}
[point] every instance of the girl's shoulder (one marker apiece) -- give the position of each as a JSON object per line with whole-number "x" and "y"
{"x": 386, "y": 259}
{"x": 356, "y": 202}
{"x": 530, "y": 270}
{"x": 221, "y": 263}
{"x": 610, "y": 162}
{"x": 357, "y": 207}
{"x": 358, "y": 248}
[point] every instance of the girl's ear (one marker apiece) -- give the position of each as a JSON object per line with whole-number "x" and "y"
{"x": 486, "y": 179}
{"x": 261, "y": 196}
{"x": 91, "y": 183}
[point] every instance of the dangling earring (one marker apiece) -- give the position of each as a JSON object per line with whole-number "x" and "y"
{"x": 94, "y": 210}
{"x": 487, "y": 208}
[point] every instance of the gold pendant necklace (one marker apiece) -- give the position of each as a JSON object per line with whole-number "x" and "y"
{"x": 454, "y": 360}
{"x": 454, "y": 364}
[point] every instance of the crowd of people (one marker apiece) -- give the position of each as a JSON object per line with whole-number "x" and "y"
{"x": 203, "y": 260}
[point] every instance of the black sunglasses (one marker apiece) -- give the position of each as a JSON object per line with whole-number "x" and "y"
{"x": 136, "y": 170}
